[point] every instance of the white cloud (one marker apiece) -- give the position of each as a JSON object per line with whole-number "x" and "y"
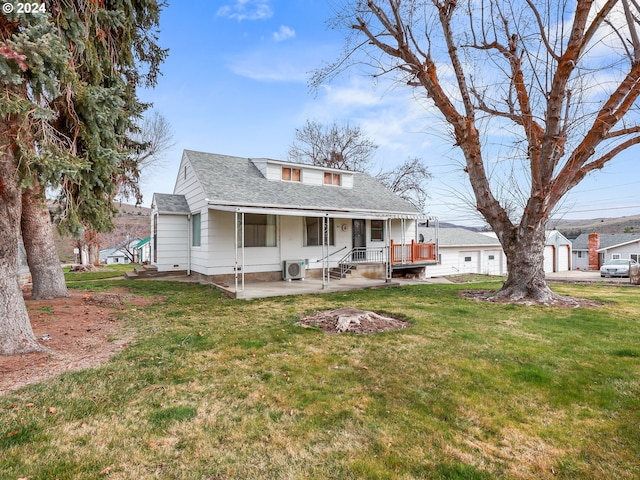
{"x": 284, "y": 33}
{"x": 269, "y": 66}
{"x": 247, "y": 10}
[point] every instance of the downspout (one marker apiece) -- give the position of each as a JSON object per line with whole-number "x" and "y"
{"x": 189, "y": 242}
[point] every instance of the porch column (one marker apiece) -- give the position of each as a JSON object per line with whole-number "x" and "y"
{"x": 239, "y": 233}
{"x": 325, "y": 250}
{"x": 403, "y": 239}
{"x": 388, "y": 267}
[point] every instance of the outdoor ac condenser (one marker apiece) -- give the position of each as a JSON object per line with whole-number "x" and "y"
{"x": 293, "y": 269}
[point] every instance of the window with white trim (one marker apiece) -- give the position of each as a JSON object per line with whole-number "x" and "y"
{"x": 195, "y": 230}
{"x": 616, "y": 256}
{"x": 377, "y": 230}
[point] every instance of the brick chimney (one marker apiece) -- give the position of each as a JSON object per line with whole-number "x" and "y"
{"x": 594, "y": 256}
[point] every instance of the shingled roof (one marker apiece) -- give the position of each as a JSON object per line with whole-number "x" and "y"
{"x": 457, "y": 237}
{"x": 237, "y": 181}
{"x": 607, "y": 240}
{"x": 167, "y": 203}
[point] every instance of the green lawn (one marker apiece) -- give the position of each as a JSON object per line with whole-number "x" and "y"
{"x": 103, "y": 272}
{"x": 220, "y": 389}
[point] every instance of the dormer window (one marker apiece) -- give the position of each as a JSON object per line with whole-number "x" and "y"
{"x": 291, "y": 174}
{"x": 332, "y": 178}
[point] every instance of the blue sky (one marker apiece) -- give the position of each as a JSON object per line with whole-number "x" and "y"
{"x": 236, "y": 83}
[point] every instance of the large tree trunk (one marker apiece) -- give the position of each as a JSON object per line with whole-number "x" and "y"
{"x": 42, "y": 254}
{"x": 524, "y": 249}
{"x": 16, "y": 335}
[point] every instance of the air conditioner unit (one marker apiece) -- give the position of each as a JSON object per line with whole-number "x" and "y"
{"x": 293, "y": 269}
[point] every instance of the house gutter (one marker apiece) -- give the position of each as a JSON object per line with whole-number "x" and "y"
{"x": 333, "y": 212}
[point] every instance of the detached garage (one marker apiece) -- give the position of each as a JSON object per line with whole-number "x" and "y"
{"x": 557, "y": 253}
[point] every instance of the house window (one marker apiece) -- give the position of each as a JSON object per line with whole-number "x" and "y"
{"x": 195, "y": 230}
{"x": 377, "y": 231}
{"x": 291, "y": 174}
{"x": 616, "y": 256}
{"x": 332, "y": 178}
{"x": 312, "y": 232}
{"x": 492, "y": 257}
{"x": 635, "y": 257}
{"x": 467, "y": 259}
{"x": 259, "y": 230}
{"x": 579, "y": 254}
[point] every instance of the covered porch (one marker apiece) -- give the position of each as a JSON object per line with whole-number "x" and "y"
{"x": 392, "y": 251}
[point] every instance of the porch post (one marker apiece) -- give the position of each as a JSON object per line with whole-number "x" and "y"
{"x": 242, "y": 253}
{"x": 389, "y": 246}
{"x": 325, "y": 250}
{"x": 403, "y": 237}
{"x": 235, "y": 267}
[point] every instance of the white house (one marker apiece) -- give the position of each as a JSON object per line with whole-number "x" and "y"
{"x": 230, "y": 217}
{"x": 121, "y": 253}
{"x": 591, "y": 250}
{"x": 142, "y": 250}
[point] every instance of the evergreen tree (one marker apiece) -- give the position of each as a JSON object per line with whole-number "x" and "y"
{"x": 68, "y": 80}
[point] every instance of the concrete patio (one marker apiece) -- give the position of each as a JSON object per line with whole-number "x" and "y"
{"x": 314, "y": 285}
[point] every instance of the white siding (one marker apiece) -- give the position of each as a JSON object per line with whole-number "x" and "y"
{"x": 624, "y": 251}
{"x": 347, "y": 180}
{"x": 580, "y": 260}
{"x": 172, "y": 242}
{"x": 313, "y": 177}
{"x": 452, "y": 261}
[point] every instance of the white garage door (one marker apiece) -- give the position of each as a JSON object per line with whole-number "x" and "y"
{"x": 563, "y": 258}
{"x": 548, "y": 259}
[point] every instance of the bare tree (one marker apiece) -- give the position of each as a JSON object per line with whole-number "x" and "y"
{"x": 344, "y": 147}
{"x": 557, "y": 81}
{"x": 409, "y": 181}
{"x": 347, "y": 148}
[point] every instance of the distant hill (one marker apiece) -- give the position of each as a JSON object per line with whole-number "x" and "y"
{"x": 573, "y": 228}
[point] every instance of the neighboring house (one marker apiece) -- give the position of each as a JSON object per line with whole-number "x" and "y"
{"x": 464, "y": 251}
{"x": 142, "y": 250}
{"x": 231, "y": 217}
{"x": 120, "y": 254}
{"x": 591, "y": 250}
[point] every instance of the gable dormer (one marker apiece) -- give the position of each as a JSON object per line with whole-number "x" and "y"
{"x": 275, "y": 170}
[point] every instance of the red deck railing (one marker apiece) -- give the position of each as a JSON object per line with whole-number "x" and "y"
{"x": 413, "y": 252}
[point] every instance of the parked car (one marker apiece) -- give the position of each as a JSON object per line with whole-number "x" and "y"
{"x": 616, "y": 268}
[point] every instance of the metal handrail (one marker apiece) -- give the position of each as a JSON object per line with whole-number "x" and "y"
{"x": 332, "y": 254}
{"x": 360, "y": 255}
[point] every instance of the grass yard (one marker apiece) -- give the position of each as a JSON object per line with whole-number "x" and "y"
{"x": 220, "y": 389}
{"x": 102, "y": 272}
